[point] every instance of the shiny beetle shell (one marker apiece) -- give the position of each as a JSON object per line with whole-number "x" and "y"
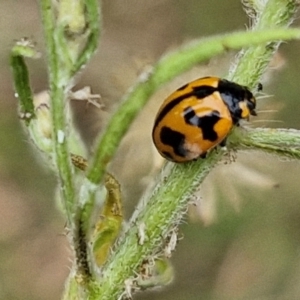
{"x": 199, "y": 116}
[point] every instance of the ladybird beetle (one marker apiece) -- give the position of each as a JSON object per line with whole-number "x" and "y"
{"x": 199, "y": 116}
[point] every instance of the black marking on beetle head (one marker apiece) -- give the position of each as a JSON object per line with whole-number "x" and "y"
{"x": 232, "y": 94}
{"x": 174, "y": 139}
{"x": 205, "y": 123}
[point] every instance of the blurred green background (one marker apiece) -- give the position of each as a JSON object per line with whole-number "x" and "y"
{"x": 241, "y": 241}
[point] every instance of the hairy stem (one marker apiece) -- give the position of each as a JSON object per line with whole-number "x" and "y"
{"x": 58, "y": 111}
{"x": 281, "y": 142}
{"x": 21, "y": 80}
{"x": 269, "y": 14}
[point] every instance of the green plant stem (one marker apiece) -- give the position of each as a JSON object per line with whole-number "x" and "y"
{"x": 280, "y": 142}
{"x": 59, "y": 79}
{"x": 22, "y": 87}
{"x": 58, "y": 103}
{"x": 94, "y": 24}
{"x": 273, "y": 14}
{"x": 61, "y": 72}
{"x": 161, "y": 213}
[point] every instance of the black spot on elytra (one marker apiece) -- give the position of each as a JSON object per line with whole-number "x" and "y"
{"x": 203, "y": 91}
{"x": 199, "y": 92}
{"x": 174, "y": 139}
{"x": 205, "y": 123}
